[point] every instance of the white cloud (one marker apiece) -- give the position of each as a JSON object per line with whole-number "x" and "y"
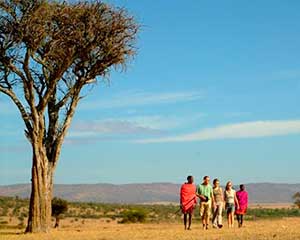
{"x": 138, "y": 98}
{"x": 235, "y": 131}
{"x": 109, "y": 127}
{"x": 165, "y": 122}
{"x": 134, "y": 125}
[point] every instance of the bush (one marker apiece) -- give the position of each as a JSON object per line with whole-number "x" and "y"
{"x": 133, "y": 216}
{"x": 264, "y": 213}
{"x": 296, "y": 198}
{"x": 59, "y": 207}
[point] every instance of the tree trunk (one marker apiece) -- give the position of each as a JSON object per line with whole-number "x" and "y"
{"x": 39, "y": 219}
{"x": 56, "y": 222}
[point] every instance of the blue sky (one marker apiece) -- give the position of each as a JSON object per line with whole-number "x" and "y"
{"x": 214, "y": 90}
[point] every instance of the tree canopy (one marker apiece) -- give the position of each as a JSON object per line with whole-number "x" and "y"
{"x": 49, "y": 51}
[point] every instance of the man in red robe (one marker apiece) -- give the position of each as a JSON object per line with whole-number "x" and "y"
{"x": 188, "y": 200}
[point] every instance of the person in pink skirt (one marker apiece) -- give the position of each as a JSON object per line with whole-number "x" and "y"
{"x": 242, "y": 197}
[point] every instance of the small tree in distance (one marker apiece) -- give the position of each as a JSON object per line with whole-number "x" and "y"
{"x": 49, "y": 52}
{"x": 296, "y": 198}
{"x": 59, "y": 207}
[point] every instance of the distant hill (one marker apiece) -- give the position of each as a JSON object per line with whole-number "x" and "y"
{"x": 149, "y": 193}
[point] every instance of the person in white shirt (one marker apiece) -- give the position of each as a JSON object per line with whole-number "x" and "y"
{"x": 230, "y": 203}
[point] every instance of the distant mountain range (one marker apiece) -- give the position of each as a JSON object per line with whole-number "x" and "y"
{"x": 150, "y": 192}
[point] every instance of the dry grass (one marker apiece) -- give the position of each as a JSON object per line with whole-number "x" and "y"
{"x": 101, "y": 230}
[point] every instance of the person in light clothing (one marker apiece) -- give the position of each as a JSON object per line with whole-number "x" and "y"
{"x": 230, "y": 203}
{"x": 219, "y": 203}
{"x": 205, "y": 189}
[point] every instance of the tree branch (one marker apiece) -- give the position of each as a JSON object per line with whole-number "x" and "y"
{"x": 28, "y": 86}
{"x": 19, "y": 105}
{"x": 66, "y": 124}
{"x": 52, "y": 82}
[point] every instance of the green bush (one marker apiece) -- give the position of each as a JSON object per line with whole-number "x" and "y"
{"x": 59, "y": 207}
{"x": 296, "y": 198}
{"x": 272, "y": 213}
{"x": 133, "y": 216}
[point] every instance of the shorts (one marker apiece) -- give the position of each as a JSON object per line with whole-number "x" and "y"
{"x": 205, "y": 209}
{"x": 230, "y": 207}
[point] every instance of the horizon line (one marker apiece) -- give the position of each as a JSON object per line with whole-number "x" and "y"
{"x": 141, "y": 183}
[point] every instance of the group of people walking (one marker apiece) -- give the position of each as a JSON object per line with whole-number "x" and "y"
{"x": 212, "y": 201}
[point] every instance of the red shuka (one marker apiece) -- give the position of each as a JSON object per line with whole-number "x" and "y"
{"x": 188, "y": 197}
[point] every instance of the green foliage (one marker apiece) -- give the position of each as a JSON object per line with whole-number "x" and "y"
{"x": 266, "y": 213}
{"x": 126, "y": 213}
{"x": 59, "y": 206}
{"x": 15, "y": 204}
{"x": 296, "y": 198}
{"x": 133, "y": 216}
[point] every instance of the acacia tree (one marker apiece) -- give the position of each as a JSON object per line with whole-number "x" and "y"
{"x": 59, "y": 207}
{"x": 49, "y": 51}
{"x": 296, "y": 198}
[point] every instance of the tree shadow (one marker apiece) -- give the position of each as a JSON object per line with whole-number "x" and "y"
{"x": 11, "y": 233}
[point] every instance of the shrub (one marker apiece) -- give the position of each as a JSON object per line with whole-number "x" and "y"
{"x": 272, "y": 213}
{"x": 59, "y": 207}
{"x": 296, "y": 198}
{"x": 133, "y": 216}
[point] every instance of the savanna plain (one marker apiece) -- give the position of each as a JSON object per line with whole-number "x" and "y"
{"x": 99, "y": 221}
{"x": 285, "y": 228}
